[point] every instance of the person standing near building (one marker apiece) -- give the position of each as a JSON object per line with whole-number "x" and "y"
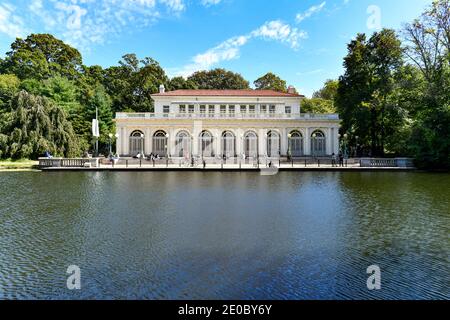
{"x": 333, "y": 160}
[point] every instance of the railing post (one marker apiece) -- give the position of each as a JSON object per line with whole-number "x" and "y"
{"x": 305, "y": 162}
{"x": 126, "y": 163}
{"x": 318, "y": 162}
{"x": 167, "y": 163}
{"x": 140, "y": 162}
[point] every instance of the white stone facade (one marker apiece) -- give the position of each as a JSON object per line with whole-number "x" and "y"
{"x": 228, "y": 123}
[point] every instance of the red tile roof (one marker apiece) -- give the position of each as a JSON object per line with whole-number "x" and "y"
{"x": 227, "y": 93}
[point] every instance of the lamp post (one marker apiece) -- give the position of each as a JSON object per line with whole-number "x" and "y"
{"x": 314, "y": 145}
{"x": 345, "y": 146}
{"x": 289, "y": 146}
{"x": 167, "y": 146}
{"x": 142, "y": 145}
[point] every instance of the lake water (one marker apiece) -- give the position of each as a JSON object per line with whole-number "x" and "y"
{"x": 162, "y": 235}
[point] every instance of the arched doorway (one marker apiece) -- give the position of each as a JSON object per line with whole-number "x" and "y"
{"x": 137, "y": 140}
{"x": 160, "y": 143}
{"x": 296, "y": 144}
{"x": 273, "y": 144}
{"x": 251, "y": 144}
{"x": 206, "y": 144}
{"x": 228, "y": 144}
{"x": 318, "y": 144}
{"x": 183, "y": 144}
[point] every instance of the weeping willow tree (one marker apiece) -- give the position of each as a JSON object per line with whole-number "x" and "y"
{"x": 35, "y": 125}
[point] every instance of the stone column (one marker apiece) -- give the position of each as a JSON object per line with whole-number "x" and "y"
{"x": 217, "y": 143}
{"x": 126, "y": 142}
{"x": 329, "y": 142}
{"x": 307, "y": 142}
{"x": 262, "y": 138}
{"x": 336, "y": 140}
{"x": 238, "y": 142}
{"x": 171, "y": 142}
{"x": 119, "y": 141}
{"x": 147, "y": 139}
{"x": 284, "y": 141}
{"x": 196, "y": 130}
{"x": 150, "y": 141}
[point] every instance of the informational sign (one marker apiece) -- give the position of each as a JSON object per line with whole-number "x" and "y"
{"x": 95, "y": 130}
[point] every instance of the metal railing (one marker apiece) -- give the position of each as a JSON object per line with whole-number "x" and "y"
{"x": 230, "y": 163}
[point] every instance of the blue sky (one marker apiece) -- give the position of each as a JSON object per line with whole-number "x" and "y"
{"x": 303, "y": 41}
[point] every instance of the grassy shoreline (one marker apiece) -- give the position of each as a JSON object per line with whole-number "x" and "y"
{"x": 18, "y": 165}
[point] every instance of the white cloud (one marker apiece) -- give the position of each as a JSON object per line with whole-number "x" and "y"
{"x": 277, "y": 30}
{"x": 83, "y": 23}
{"x": 174, "y": 5}
{"x": 208, "y": 3}
{"x": 74, "y": 14}
{"x": 308, "y": 13}
{"x": 230, "y": 49}
{"x": 11, "y": 24}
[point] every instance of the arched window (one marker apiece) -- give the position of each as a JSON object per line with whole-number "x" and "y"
{"x": 318, "y": 144}
{"x": 251, "y": 144}
{"x": 206, "y": 144}
{"x": 137, "y": 143}
{"x": 160, "y": 143}
{"x": 296, "y": 144}
{"x": 273, "y": 144}
{"x": 228, "y": 144}
{"x": 183, "y": 143}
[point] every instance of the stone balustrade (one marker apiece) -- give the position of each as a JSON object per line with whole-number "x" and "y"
{"x": 386, "y": 162}
{"x": 302, "y": 116}
{"x": 68, "y": 162}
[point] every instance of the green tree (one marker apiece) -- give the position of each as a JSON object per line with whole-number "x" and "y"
{"x": 428, "y": 47}
{"x": 131, "y": 84}
{"x": 92, "y": 76}
{"x": 9, "y": 85}
{"x": 366, "y": 90}
{"x": 36, "y": 125}
{"x": 219, "y": 79}
{"x": 317, "y": 105}
{"x": 62, "y": 91}
{"x": 329, "y": 90}
{"x": 179, "y": 83}
{"x": 42, "y": 56}
{"x": 270, "y": 81}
